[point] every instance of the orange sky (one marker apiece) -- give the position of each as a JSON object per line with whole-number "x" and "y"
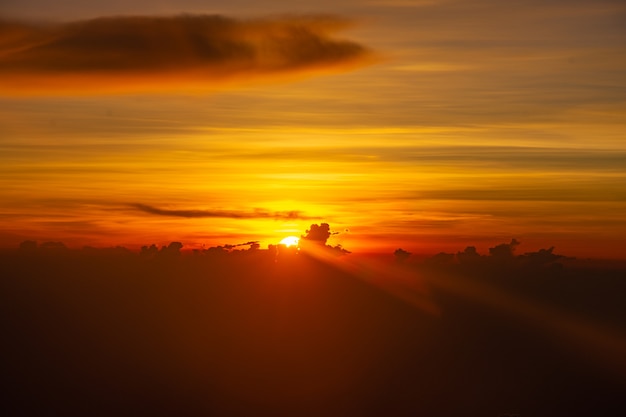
{"x": 426, "y": 125}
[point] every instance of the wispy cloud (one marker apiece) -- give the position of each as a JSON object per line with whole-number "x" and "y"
{"x": 147, "y": 53}
{"x": 231, "y": 214}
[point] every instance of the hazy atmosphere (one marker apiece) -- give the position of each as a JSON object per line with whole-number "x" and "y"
{"x": 330, "y": 208}
{"x": 422, "y": 124}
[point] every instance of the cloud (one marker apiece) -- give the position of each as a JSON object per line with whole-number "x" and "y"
{"x": 504, "y": 250}
{"x": 316, "y": 237}
{"x": 230, "y": 214}
{"x": 252, "y": 243}
{"x": 141, "y": 53}
{"x": 318, "y": 233}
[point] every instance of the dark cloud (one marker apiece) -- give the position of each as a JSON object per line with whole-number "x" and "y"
{"x": 231, "y": 214}
{"x": 252, "y": 243}
{"x": 102, "y": 327}
{"x": 318, "y": 233}
{"x": 504, "y": 250}
{"x": 542, "y": 257}
{"x": 316, "y": 237}
{"x": 401, "y": 254}
{"x": 501, "y": 255}
{"x": 140, "y": 52}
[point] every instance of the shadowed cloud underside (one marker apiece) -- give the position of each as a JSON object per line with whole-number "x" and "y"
{"x": 139, "y": 53}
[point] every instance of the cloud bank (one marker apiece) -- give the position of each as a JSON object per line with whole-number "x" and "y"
{"x": 230, "y": 214}
{"x": 192, "y": 52}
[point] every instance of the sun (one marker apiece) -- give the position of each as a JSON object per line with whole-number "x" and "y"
{"x": 290, "y": 241}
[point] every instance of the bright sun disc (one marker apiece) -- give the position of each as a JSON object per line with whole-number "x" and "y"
{"x": 290, "y": 241}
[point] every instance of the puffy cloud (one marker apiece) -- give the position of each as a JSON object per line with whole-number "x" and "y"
{"x": 318, "y": 233}
{"x": 137, "y": 53}
{"x": 401, "y": 254}
{"x": 316, "y": 237}
{"x": 504, "y": 250}
{"x": 542, "y": 257}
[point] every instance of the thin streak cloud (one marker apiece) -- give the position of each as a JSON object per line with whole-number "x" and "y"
{"x": 141, "y": 53}
{"x": 230, "y": 214}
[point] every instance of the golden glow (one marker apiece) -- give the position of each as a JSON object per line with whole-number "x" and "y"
{"x": 423, "y": 151}
{"x": 290, "y": 241}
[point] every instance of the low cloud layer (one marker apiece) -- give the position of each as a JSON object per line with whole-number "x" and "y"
{"x": 164, "y": 53}
{"x": 230, "y": 214}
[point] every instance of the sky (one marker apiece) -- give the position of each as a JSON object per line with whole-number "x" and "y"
{"x": 428, "y": 125}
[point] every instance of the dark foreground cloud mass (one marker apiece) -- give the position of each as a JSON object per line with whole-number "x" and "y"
{"x": 140, "y": 52}
{"x": 248, "y": 333}
{"x": 230, "y": 214}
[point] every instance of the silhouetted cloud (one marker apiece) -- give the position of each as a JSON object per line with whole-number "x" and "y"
{"x": 252, "y": 243}
{"x": 469, "y": 256}
{"x": 501, "y": 255}
{"x": 504, "y": 250}
{"x": 231, "y": 214}
{"x": 76, "y": 319}
{"x": 28, "y": 246}
{"x": 542, "y": 257}
{"x": 173, "y": 249}
{"x": 53, "y": 246}
{"x": 401, "y": 254}
{"x": 149, "y": 251}
{"x": 318, "y": 233}
{"x": 141, "y": 52}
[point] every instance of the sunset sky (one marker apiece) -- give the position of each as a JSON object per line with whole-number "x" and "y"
{"x": 423, "y": 124}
